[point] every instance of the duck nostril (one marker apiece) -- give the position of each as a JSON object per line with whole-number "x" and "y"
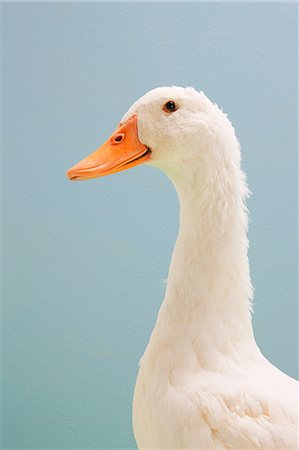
{"x": 119, "y": 138}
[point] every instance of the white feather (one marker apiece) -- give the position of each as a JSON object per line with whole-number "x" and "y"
{"x": 203, "y": 382}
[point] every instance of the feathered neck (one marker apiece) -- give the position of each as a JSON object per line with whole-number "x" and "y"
{"x": 208, "y": 297}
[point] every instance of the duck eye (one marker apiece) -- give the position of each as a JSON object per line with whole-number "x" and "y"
{"x": 170, "y": 107}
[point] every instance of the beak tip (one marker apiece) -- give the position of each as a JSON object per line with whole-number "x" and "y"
{"x": 70, "y": 174}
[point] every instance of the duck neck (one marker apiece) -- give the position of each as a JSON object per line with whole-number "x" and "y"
{"x": 208, "y": 295}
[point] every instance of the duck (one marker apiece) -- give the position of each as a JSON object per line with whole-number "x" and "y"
{"x": 203, "y": 382}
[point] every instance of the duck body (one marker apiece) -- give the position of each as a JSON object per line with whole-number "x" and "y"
{"x": 203, "y": 382}
{"x": 201, "y": 409}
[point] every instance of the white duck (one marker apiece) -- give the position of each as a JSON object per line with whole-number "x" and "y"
{"x": 203, "y": 382}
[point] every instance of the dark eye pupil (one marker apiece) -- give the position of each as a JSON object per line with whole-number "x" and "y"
{"x": 170, "y": 106}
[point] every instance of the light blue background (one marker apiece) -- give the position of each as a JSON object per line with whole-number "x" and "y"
{"x": 84, "y": 262}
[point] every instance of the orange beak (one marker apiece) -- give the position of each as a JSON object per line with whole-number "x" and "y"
{"x": 120, "y": 152}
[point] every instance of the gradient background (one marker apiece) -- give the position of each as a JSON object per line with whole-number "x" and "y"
{"x": 84, "y": 263}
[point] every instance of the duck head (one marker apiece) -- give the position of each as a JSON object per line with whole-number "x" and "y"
{"x": 169, "y": 127}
